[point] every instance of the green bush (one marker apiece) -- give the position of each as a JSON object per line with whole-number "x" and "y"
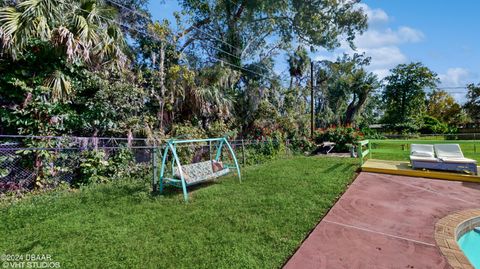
{"x": 96, "y": 166}
{"x": 267, "y": 149}
{"x": 301, "y": 145}
{"x": 340, "y": 135}
{"x": 186, "y": 130}
{"x": 433, "y": 126}
{"x": 122, "y": 164}
{"x": 371, "y": 134}
{"x": 220, "y": 129}
{"x": 93, "y": 168}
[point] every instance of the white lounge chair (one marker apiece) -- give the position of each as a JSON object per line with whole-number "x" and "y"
{"x": 447, "y": 157}
{"x": 452, "y": 158}
{"x": 423, "y": 156}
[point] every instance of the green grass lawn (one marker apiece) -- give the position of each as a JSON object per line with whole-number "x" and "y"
{"x": 258, "y": 223}
{"x": 391, "y": 149}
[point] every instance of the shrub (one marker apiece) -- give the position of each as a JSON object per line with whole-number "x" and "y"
{"x": 187, "y": 130}
{"x": 93, "y": 168}
{"x": 262, "y": 129}
{"x": 371, "y": 134}
{"x": 187, "y": 152}
{"x": 433, "y": 126}
{"x": 267, "y": 149}
{"x": 301, "y": 145}
{"x": 220, "y": 129}
{"x": 122, "y": 163}
{"x": 340, "y": 135}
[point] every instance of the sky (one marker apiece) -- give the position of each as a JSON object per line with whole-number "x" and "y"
{"x": 442, "y": 34}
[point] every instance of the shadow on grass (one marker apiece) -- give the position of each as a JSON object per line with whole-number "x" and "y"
{"x": 339, "y": 166}
{"x": 333, "y": 167}
{"x": 29, "y": 247}
{"x": 124, "y": 188}
{"x": 171, "y": 191}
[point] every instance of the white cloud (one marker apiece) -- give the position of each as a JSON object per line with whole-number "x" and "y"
{"x": 381, "y": 73}
{"x": 327, "y": 57}
{"x": 455, "y": 77}
{"x": 408, "y": 34}
{"x": 374, "y": 15}
{"x": 388, "y": 37}
{"x": 385, "y": 57}
{"x": 380, "y": 42}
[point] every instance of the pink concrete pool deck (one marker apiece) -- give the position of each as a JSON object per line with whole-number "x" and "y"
{"x": 385, "y": 221}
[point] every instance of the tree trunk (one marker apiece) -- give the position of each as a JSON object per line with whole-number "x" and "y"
{"x": 402, "y": 111}
{"x": 354, "y": 107}
{"x": 351, "y": 110}
{"x": 161, "y": 68}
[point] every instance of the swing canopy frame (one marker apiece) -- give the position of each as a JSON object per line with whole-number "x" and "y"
{"x": 187, "y": 175}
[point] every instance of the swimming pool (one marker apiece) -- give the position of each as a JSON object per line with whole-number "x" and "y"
{"x": 470, "y": 245}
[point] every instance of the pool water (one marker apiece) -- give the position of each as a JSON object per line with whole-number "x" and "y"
{"x": 470, "y": 245}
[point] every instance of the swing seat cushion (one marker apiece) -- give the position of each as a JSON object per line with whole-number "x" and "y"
{"x": 196, "y": 172}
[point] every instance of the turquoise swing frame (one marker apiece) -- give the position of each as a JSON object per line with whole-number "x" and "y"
{"x": 171, "y": 146}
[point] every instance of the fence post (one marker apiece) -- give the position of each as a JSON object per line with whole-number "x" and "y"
{"x": 369, "y": 150}
{"x": 243, "y": 152}
{"x": 359, "y": 153}
{"x": 210, "y": 149}
{"x": 154, "y": 160}
{"x": 474, "y": 143}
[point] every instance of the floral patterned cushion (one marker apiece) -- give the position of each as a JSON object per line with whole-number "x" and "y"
{"x": 195, "y": 171}
{"x": 198, "y": 172}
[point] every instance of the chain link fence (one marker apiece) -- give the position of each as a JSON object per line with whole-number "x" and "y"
{"x": 458, "y": 136}
{"x": 30, "y": 163}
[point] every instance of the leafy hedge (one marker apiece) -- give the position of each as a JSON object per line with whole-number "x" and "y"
{"x": 340, "y": 135}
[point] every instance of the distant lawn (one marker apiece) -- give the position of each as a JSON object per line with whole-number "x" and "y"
{"x": 256, "y": 224}
{"x": 392, "y": 149}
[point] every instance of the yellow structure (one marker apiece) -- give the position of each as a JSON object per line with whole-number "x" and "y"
{"x": 403, "y": 168}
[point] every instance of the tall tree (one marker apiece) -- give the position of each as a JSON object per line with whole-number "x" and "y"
{"x": 472, "y": 106}
{"x": 404, "y": 94}
{"x": 348, "y": 86}
{"x": 298, "y": 62}
{"x": 241, "y": 28}
{"x": 442, "y": 106}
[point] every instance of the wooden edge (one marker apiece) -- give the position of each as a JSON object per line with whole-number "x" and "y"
{"x": 425, "y": 174}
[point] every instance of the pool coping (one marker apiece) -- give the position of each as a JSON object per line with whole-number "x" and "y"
{"x": 449, "y": 229}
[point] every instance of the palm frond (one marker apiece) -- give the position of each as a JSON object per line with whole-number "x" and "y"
{"x": 84, "y": 28}
{"x": 9, "y": 24}
{"x": 60, "y": 86}
{"x": 81, "y": 26}
{"x": 40, "y": 8}
{"x": 41, "y": 28}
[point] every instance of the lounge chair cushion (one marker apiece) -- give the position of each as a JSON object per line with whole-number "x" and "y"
{"x": 458, "y": 160}
{"x": 448, "y": 151}
{"x": 424, "y": 159}
{"x": 422, "y": 150}
{"x": 423, "y": 154}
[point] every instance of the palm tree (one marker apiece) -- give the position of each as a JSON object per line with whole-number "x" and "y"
{"x": 211, "y": 97}
{"x": 297, "y": 64}
{"x": 79, "y": 31}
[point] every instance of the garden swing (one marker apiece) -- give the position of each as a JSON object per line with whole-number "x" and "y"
{"x": 183, "y": 176}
